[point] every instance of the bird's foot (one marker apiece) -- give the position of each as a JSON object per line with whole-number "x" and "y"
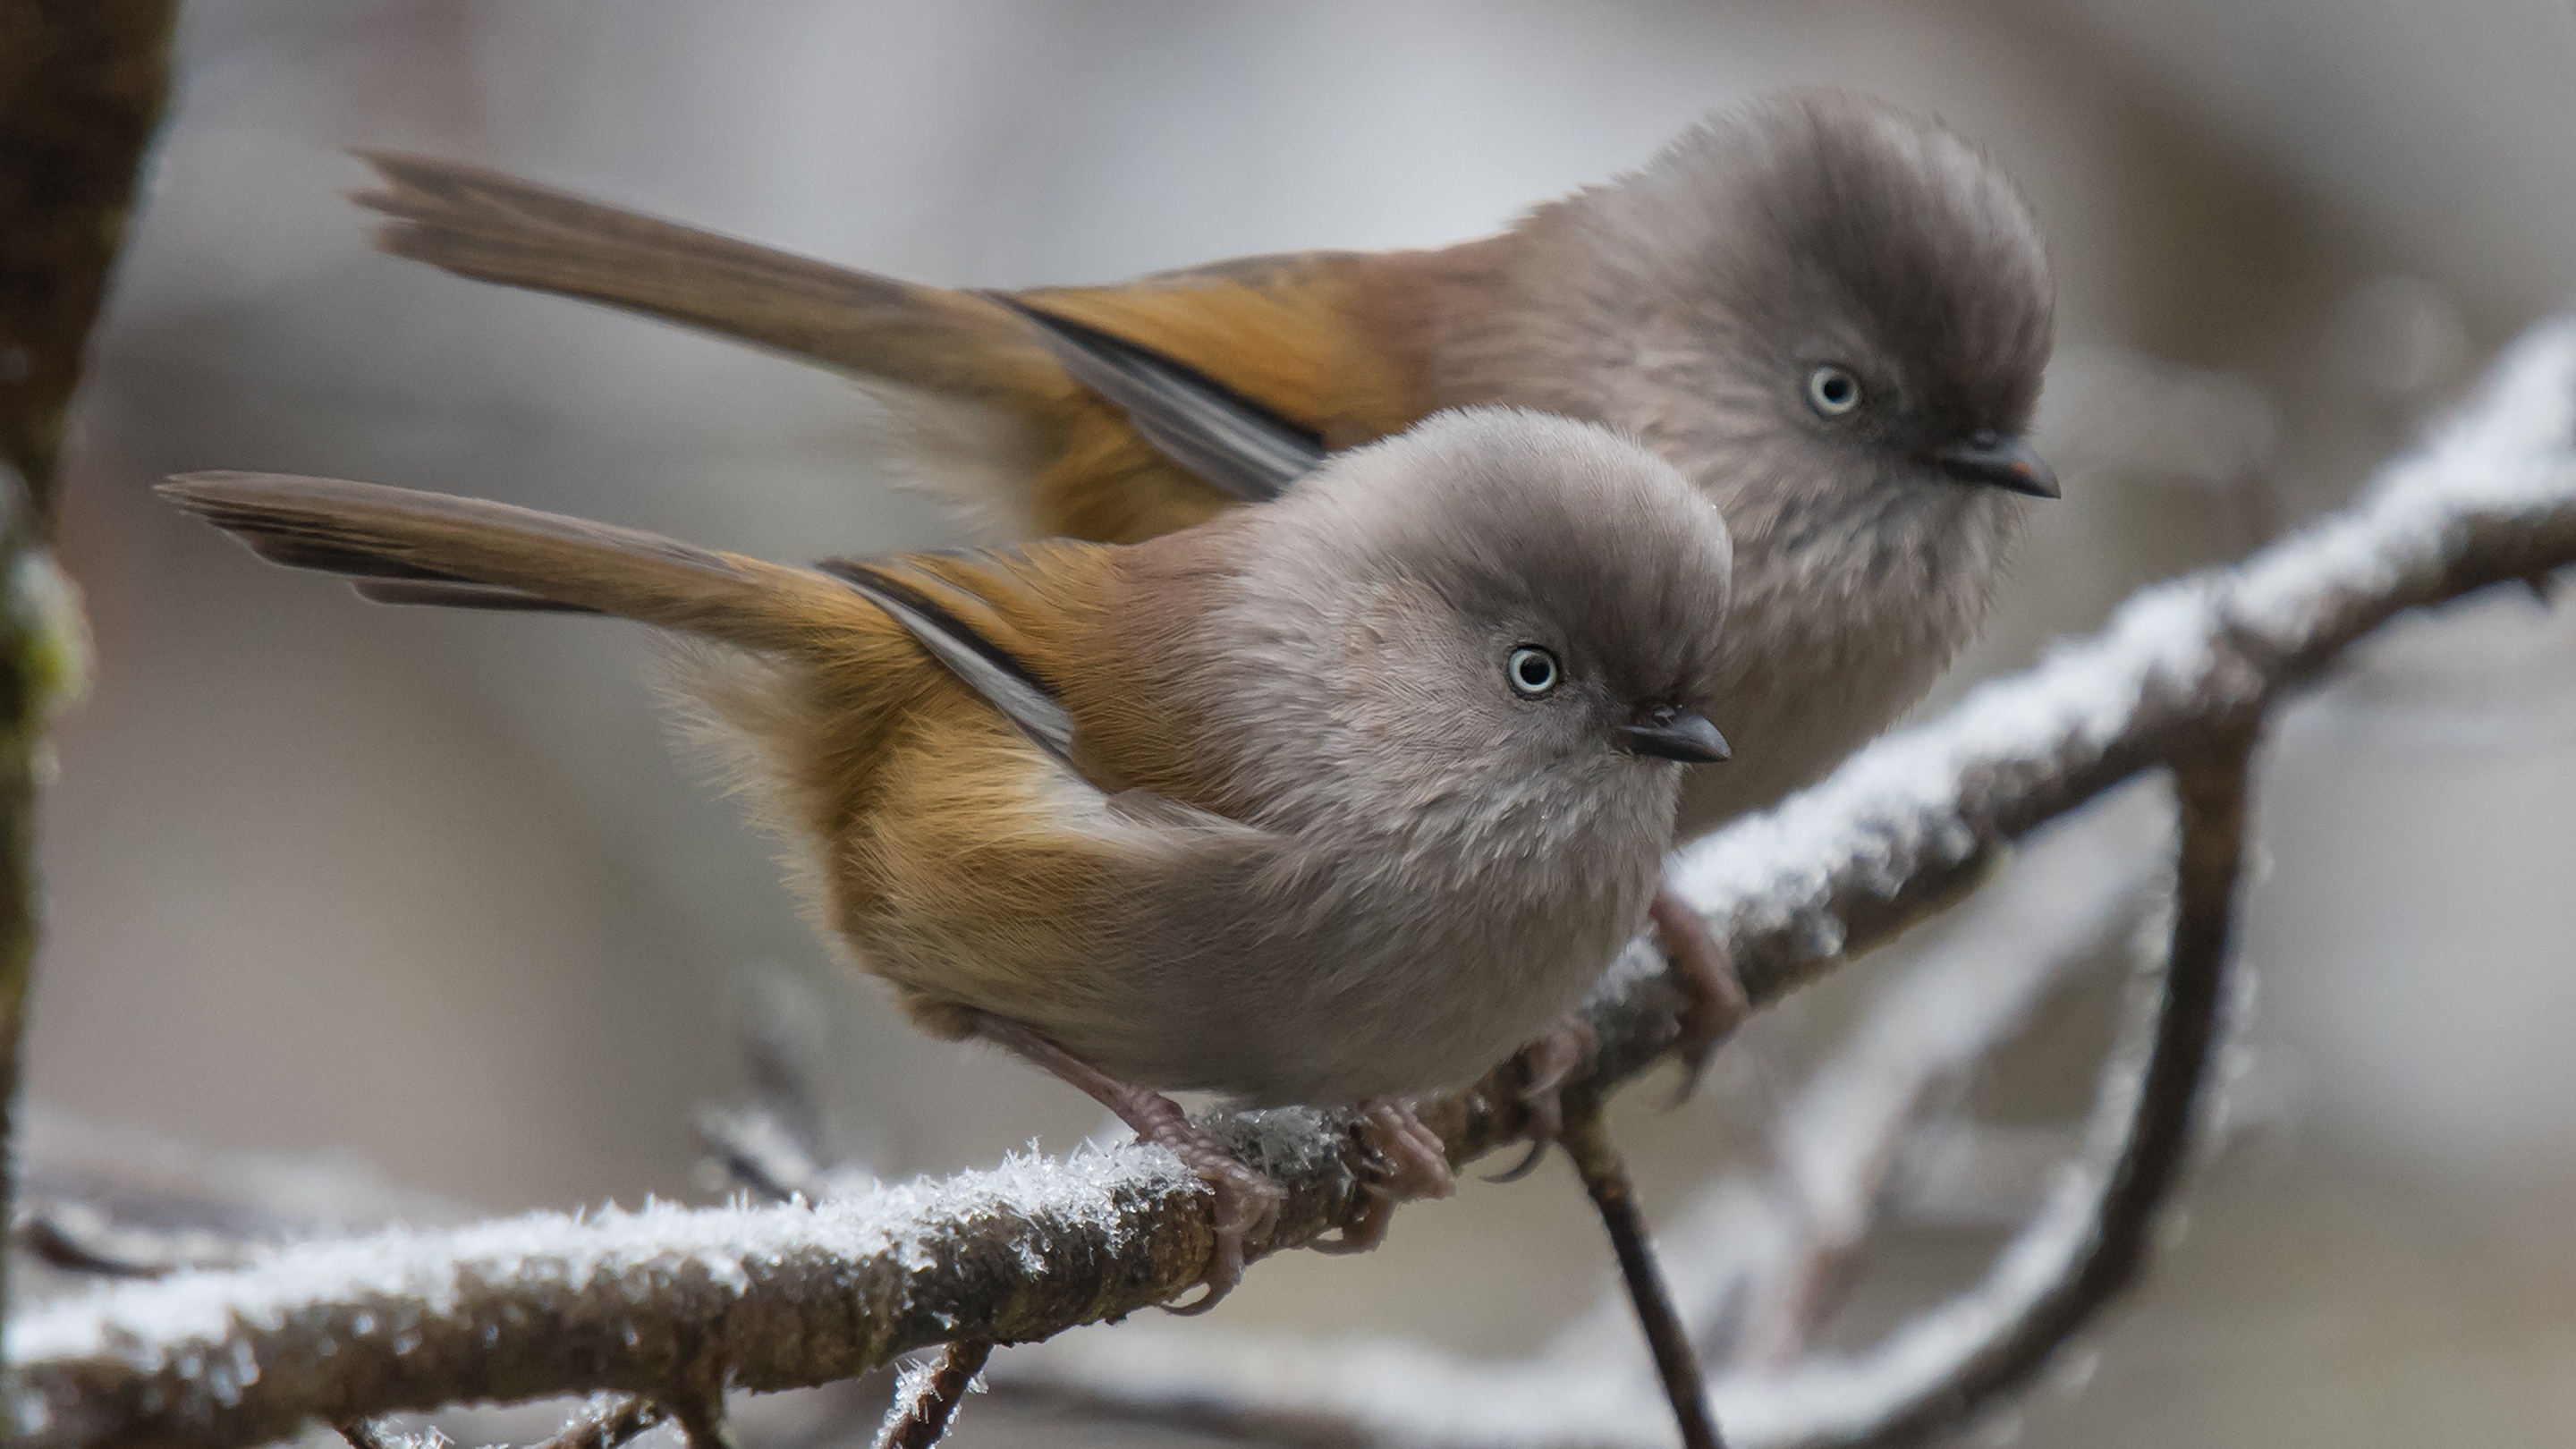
{"x": 1247, "y": 1201}
{"x": 1714, "y": 1003}
{"x": 1406, "y": 1160}
{"x": 1547, "y": 1064}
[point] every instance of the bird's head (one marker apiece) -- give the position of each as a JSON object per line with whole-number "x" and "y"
{"x": 1492, "y": 615}
{"x": 1833, "y": 312}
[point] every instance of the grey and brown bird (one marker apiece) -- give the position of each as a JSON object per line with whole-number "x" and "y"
{"x": 1334, "y": 801}
{"x": 1830, "y": 315}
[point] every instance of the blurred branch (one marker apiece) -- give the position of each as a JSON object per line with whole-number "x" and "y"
{"x": 2109, "y": 1249}
{"x": 98, "y": 1200}
{"x": 1840, "y": 1139}
{"x": 65, "y": 1246}
{"x": 759, "y": 1153}
{"x": 81, "y": 90}
{"x": 669, "y": 1302}
{"x": 1747, "y": 1245}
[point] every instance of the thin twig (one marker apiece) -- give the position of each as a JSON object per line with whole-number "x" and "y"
{"x": 1605, "y": 1178}
{"x": 917, "y": 1424}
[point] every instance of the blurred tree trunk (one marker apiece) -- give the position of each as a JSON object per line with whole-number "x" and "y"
{"x": 82, "y": 84}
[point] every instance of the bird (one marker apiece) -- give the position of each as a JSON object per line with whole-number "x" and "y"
{"x": 1829, "y": 313}
{"x": 1332, "y": 801}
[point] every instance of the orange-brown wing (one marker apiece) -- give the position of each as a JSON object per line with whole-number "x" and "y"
{"x": 1314, "y": 337}
{"x": 1051, "y": 608}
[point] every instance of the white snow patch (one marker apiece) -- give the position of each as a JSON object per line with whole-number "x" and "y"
{"x": 190, "y": 1316}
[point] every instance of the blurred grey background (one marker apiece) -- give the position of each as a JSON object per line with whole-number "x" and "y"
{"x": 437, "y": 892}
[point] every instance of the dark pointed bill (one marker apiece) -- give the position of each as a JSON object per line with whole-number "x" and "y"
{"x": 2007, "y": 463}
{"x": 1673, "y": 734}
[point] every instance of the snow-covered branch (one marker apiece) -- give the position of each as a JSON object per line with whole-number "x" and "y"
{"x": 677, "y": 1305}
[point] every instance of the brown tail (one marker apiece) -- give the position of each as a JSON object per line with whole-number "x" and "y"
{"x": 399, "y": 546}
{"x": 497, "y": 228}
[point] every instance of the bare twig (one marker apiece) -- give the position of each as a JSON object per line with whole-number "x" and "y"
{"x": 779, "y": 1297}
{"x": 1614, "y": 1197}
{"x": 924, "y": 1403}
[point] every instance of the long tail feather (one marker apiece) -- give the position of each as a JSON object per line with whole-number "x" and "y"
{"x": 400, "y": 546}
{"x": 497, "y": 228}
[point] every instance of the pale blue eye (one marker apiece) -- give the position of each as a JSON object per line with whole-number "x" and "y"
{"x": 1832, "y": 391}
{"x": 1532, "y": 672}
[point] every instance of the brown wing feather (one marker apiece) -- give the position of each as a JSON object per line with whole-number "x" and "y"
{"x": 1337, "y": 342}
{"x": 1305, "y": 334}
{"x": 375, "y": 533}
{"x": 495, "y": 227}
{"x": 920, "y": 807}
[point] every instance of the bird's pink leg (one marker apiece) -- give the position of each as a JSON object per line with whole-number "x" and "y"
{"x": 1247, "y": 1202}
{"x": 1408, "y": 1161}
{"x": 1713, "y": 1000}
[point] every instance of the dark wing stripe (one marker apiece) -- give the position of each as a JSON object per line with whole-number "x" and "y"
{"x": 985, "y": 668}
{"x": 1249, "y": 451}
{"x": 297, "y": 544}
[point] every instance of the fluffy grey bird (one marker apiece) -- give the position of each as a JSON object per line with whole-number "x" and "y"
{"x": 1830, "y": 315}
{"x": 1331, "y": 801}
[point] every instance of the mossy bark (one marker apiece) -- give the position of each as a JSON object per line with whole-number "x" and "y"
{"x": 82, "y": 85}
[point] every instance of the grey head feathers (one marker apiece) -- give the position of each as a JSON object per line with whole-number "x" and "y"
{"x": 1509, "y": 515}
{"x": 1370, "y": 634}
{"x": 1833, "y": 317}
{"x": 1694, "y": 301}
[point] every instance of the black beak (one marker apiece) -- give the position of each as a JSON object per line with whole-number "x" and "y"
{"x": 1674, "y": 734}
{"x": 2006, "y": 463}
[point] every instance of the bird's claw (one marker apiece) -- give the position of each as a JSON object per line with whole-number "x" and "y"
{"x": 1405, "y": 1160}
{"x": 1247, "y": 1208}
{"x": 1547, "y": 1064}
{"x": 1714, "y": 1002}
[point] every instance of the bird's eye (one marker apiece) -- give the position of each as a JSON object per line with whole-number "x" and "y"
{"x": 1832, "y": 391}
{"x": 1532, "y": 672}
